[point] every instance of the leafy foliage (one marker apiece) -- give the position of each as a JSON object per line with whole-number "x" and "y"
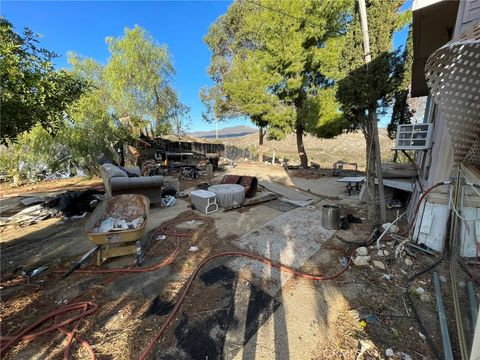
{"x": 32, "y": 91}
{"x": 402, "y": 113}
{"x": 373, "y": 85}
{"x": 115, "y": 103}
{"x": 272, "y": 61}
{"x": 139, "y": 75}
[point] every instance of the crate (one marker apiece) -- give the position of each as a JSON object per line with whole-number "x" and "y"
{"x": 204, "y": 201}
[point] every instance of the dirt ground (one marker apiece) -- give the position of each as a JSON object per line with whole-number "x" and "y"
{"x": 359, "y": 314}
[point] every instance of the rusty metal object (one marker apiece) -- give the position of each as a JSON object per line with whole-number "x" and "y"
{"x": 250, "y": 183}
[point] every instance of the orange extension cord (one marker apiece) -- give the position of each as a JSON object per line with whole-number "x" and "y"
{"x": 88, "y": 308}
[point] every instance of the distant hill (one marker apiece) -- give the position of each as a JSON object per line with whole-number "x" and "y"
{"x": 228, "y": 132}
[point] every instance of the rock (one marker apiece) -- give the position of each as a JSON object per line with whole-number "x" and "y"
{"x": 408, "y": 262}
{"x": 382, "y": 253}
{"x": 389, "y": 352}
{"x": 442, "y": 279}
{"x": 391, "y": 228}
{"x": 379, "y": 264}
{"x": 423, "y": 337}
{"x": 362, "y": 251}
{"x": 355, "y": 314}
{"x": 361, "y": 260}
{"x": 420, "y": 290}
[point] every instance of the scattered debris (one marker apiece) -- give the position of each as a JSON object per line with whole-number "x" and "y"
{"x": 193, "y": 248}
{"x": 388, "y": 277}
{"x": 389, "y": 353}
{"x": 37, "y": 271}
{"x": 161, "y": 237}
{"x": 112, "y": 224}
{"x": 168, "y": 201}
{"x": 423, "y": 337}
{"x": 32, "y": 200}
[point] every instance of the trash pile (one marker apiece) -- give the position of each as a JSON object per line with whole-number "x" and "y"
{"x": 68, "y": 205}
{"x": 112, "y": 224}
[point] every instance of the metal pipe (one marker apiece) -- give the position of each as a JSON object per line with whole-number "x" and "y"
{"x": 447, "y": 347}
{"x": 473, "y": 303}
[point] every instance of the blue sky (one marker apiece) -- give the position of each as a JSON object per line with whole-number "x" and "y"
{"x": 82, "y": 26}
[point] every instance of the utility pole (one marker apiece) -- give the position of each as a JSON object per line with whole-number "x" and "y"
{"x": 373, "y": 116}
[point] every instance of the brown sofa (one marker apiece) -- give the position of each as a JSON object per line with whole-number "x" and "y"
{"x": 116, "y": 182}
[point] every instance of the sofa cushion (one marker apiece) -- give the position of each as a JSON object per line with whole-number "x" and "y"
{"x": 143, "y": 182}
{"x": 113, "y": 171}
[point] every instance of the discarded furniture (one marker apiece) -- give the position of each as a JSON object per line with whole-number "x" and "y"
{"x": 250, "y": 183}
{"x": 352, "y": 182}
{"x": 228, "y": 195}
{"x": 204, "y": 201}
{"x": 338, "y": 167}
{"x": 117, "y": 182}
{"x": 127, "y": 207}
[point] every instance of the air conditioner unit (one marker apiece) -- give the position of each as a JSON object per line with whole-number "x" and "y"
{"x": 414, "y": 137}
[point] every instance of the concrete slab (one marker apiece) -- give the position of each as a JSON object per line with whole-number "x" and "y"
{"x": 290, "y": 238}
{"x": 304, "y": 322}
{"x": 236, "y": 223}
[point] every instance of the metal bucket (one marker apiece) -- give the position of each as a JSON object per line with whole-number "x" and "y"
{"x": 331, "y": 217}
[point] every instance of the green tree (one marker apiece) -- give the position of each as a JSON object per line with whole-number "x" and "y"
{"x": 139, "y": 75}
{"x": 402, "y": 113}
{"x": 32, "y": 91}
{"x": 272, "y": 61}
{"x": 367, "y": 90}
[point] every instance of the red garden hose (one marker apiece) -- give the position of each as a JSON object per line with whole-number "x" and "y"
{"x": 269, "y": 262}
{"x": 419, "y": 202}
{"x": 87, "y": 308}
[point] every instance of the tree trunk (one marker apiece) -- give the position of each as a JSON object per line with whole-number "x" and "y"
{"x": 261, "y": 134}
{"x": 370, "y": 172}
{"x": 377, "y": 157}
{"x": 300, "y": 147}
{"x": 395, "y": 156}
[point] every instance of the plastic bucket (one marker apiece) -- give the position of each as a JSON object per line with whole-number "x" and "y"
{"x": 331, "y": 217}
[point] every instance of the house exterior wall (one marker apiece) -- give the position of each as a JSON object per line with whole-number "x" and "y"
{"x": 438, "y": 163}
